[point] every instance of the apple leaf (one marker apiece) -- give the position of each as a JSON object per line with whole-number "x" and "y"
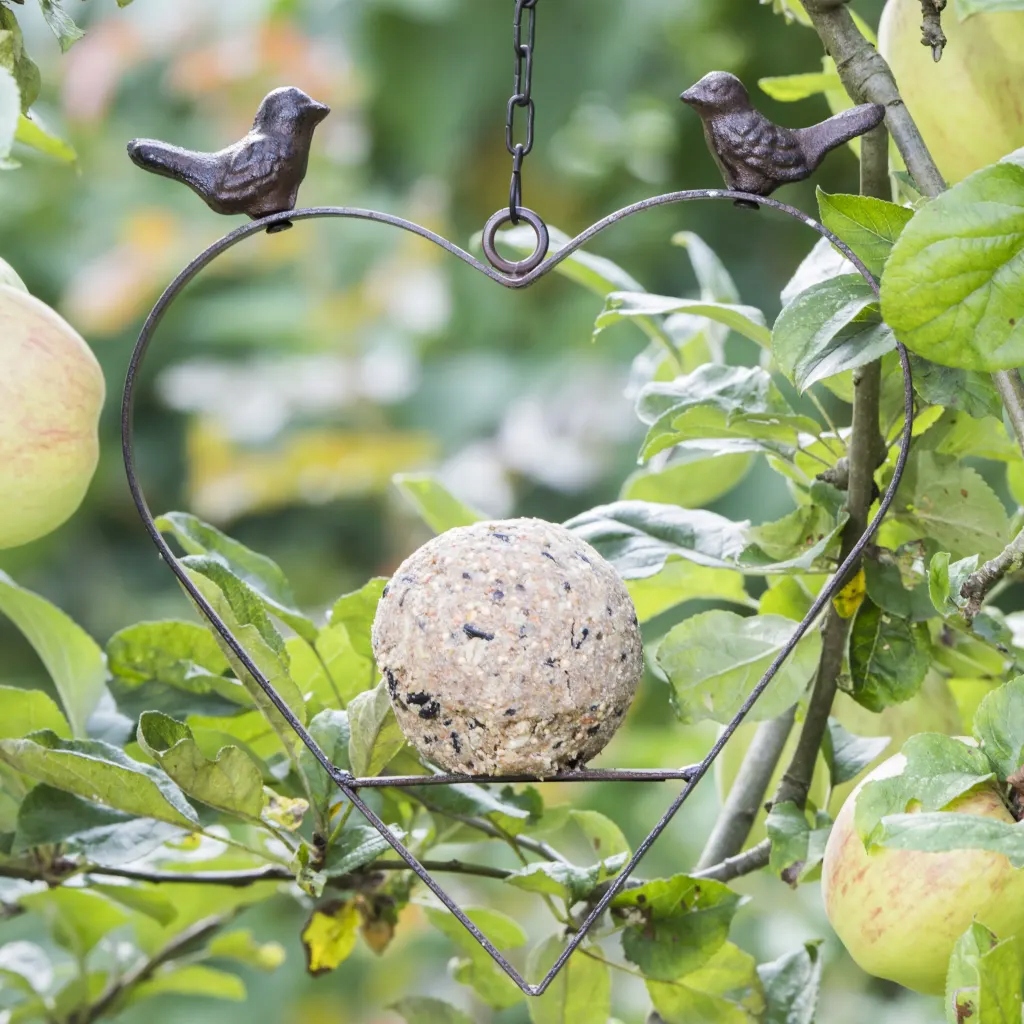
{"x": 357, "y": 846}
{"x": 889, "y": 657}
{"x": 716, "y": 283}
{"x": 955, "y": 389}
{"x": 375, "y": 737}
{"x": 98, "y": 771}
{"x": 798, "y": 842}
{"x": 869, "y": 226}
{"x": 938, "y": 770}
{"x": 436, "y": 505}
{"x": 791, "y": 985}
{"x": 999, "y": 727}
{"x": 580, "y": 994}
{"x": 984, "y": 979}
{"x": 62, "y": 25}
{"x": 939, "y": 832}
{"x": 675, "y": 925}
{"x": 951, "y": 287}
{"x": 887, "y": 589}
{"x": 422, "y": 1010}
{"x": 726, "y": 989}
{"x": 10, "y": 112}
{"x": 332, "y": 733}
{"x": 25, "y": 711}
{"x": 832, "y": 327}
{"x": 262, "y": 575}
{"x": 945, "y": 578}
{"x": 473, "y": 966}
{"x": 745, "y": 320}
{"x": 73, "y": 659}
{"x": 330, "y": 934}
{"x": 968, "y": 8}
{"x": 603, "y": 835}
{"x": 848, "y": 755}
{"x": 714, "y": 660}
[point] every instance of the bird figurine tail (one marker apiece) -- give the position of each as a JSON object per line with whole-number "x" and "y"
{"x": 820, "y": 139}
{"x": 163, "y": 159}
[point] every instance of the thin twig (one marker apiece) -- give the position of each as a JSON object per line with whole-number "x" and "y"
{"x": 932, "y": 35}
{"x": 147, "y": 968}
{"x": 745, "y": 863}
{"x": 978, "y": 585}
{"x": 747, "y": 794}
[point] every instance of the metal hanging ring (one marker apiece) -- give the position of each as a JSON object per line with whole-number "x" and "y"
{"x": 499, "y": 220}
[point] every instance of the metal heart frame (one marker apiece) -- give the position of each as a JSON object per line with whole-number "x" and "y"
{"x": 516, "y": 276}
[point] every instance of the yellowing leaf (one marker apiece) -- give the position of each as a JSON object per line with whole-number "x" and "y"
{"x": 850, "y": 598}
{"x": 330, "y": 936}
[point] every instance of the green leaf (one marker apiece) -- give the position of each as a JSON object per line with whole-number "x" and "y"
{"x": 603, "y": 835}
{"x": 801, "y": 537}
{"x": 950, "y": 289}
{"x": 100, "y": 835}
{"x": 375, "y": 735}
{"x": 25, "y": 711}
{"x": 680, "y": 581}
{"x": 331, "y": 731}
{"x": 791, "y": 10}
{"x": 982, "y": 437}
{"x": 693, "y": 478}
{"x": 263, "y": 576}
{"x": 940, "y": 832}
{"x": 869, "y": 226}
{"x": 232, "y": 782}
{"x": 984, "y": 980}
{"x": 79, "y": 918}
{"x": 714, "y": 660}
{"x": 61, "y": 24}
{"x": 567, "y": 881}
{"x": 745, "y": 320}
{"x": 16, "y": 60}
{"x": 848, "y": 755}
{"x": 716, "y": 283}
{"x": 791, "y": 986}
{"x": 798, "y": 842}
{"x": 581, "y": 992}
{"x": 830, "y": 328}
{"x": 72, "y": 658}
{"x": 887, "y": 589}
{"x": 421, "y": 1010}
{"x": 999, "y": 727}
{"x": 357, "y": 846}
{"x": 100, "y": 772}
{"x": 955, "y": 389}
{"x": 718, "y": 402}
{"x": 938, "y": 770}
{"x": 175, "y": 667}
{"x": 675, "y": 925}
{"x": 190, "y": 980}
{"x": 245, "y": 615}
{"x": 436, "y": 505}
{"x": 10, "y": 112}
{"x": 968, "y": 8}
{"x": 142, "y": 898}
{"x": 474, "y": 966}
{"x": 33, "y": 134}
{"x": 889, "y": 657}
{"x": 945, "y": 580}
{"x": 726, "y": 990}
{"x": 946, "y": 501}
{"x": 473, "y": 800}
{"x": 240, "y": 945}
{"x": 791, "y": 88}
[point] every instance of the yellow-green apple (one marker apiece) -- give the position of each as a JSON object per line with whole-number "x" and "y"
{"x": 970, "y": 105}
{"x": 900, "y": 912}
{"x": 51, "y": 393}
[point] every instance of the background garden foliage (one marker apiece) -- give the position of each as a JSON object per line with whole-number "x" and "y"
{"x": 336, "y": 394}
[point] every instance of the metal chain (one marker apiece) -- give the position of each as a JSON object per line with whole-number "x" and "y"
{"x": 522, "y": 98}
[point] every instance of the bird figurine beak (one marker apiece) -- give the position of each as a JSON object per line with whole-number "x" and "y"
{"x": 690, "y": 96}
{"x": 319, "y": 111}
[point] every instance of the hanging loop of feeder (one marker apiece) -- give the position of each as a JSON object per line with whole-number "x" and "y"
{"x": 520, "y": 267}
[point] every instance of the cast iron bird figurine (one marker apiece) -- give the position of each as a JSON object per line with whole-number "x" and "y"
{"x": 756, "y": 155}
{"x": 258, "y": 175}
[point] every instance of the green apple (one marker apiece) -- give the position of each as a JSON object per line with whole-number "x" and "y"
{"x": 969, "y": 105}
{"x": 900, "y": 912}
{"x": 51, "y": 393}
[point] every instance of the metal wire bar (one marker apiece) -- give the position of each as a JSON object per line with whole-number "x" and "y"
{"x": 583, "y": 775}
{"x": 346, "y": 783}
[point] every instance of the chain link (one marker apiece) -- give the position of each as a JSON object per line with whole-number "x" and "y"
{"x": 521, "y": 99}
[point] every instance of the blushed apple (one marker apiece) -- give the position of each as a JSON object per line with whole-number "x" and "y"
{"x": 51, "y": 393}
{"x": 900, "y": 912}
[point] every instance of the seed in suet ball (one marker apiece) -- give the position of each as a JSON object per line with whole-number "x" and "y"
{"x": 508, "y": 647}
